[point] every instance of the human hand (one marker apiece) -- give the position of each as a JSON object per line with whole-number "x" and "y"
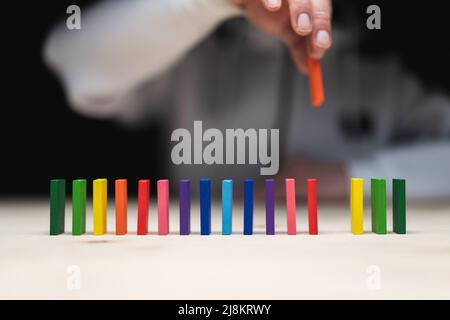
{"x": 303, "y": 25}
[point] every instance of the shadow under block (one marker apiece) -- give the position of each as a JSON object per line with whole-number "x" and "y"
{"x": 57, "y": 206}
{"x": 248, "y": 207}
{"x": 185, "y": 206}
{"x": 79, "y": 207}
{"x": 357, "y": 206}
{"x": 291, "y": 210}
{"x": 100, "y": 200}
{"x": 205, "y": 207}
{"x": 227, "y": 206}
{"x": 399, "y": 205}
{"x": 270, "y": 207}
{"x": 378, "y": 203}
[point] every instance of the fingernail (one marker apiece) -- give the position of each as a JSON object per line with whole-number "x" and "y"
{"x": 304, "y": 22}
{"x": 273, "y": 3}
{"x": 323, "y": 39}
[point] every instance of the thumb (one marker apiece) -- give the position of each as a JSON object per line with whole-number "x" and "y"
{"x": 299, "y": 54}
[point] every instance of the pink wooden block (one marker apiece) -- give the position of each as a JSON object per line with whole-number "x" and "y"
{"x": 290, "y": 207}
{"x": 163, "y": 207}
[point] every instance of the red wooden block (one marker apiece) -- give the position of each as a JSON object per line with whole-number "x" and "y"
{"x": 312, "y": 206}
{"x": 143, "y": 203}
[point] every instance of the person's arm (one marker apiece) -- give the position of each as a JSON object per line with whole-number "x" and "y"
{"x": 123, "y": 44}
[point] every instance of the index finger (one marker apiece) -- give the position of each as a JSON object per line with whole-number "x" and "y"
{"x": 320, "y": 40}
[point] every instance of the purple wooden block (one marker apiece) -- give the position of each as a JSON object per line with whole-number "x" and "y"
{"x": 185, "y": 206}
{"x": 270, "y": 207}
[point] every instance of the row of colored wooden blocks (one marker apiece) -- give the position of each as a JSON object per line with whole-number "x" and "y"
{"x": 58, "y": 201}
{"x": 378, "y": 204}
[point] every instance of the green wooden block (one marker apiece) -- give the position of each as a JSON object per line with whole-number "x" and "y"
{"x": 57, "y": 206}
{"x": 79, "y": 207}
{"x": 378, "y": 192}
{"x": 399, "y": 205}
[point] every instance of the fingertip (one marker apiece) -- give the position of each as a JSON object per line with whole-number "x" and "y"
{"x": 272, "y": 5}
{"x": 301, "y": 67}
{"x": 303, "y": 25}
{"x": 318, "y": 46}
{"x": 322, "y": 39}
{"x": 299, "y": 56}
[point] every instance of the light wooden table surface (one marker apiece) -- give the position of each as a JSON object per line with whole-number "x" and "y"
{"x": 334, "y": 264}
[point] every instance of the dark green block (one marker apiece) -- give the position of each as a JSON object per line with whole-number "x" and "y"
{"x": 57, "y": 206}
{"x": 78, "y": 207}
{"x": 378, "y": 192}
{"x": 399, "y": 205}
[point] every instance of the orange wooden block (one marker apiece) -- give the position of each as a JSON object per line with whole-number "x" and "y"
{"x": 121, "y": 206}
{"x": 316, "y": 82}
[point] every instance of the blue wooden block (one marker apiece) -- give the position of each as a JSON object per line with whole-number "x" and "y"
{"x": 248, "y": 207}
{"x": 227, "y": 206}
{"x": 205, "y": 207}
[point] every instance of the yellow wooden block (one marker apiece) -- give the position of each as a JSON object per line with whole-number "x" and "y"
{"x": 357, "y": 205}
{"x": 100, "y": 203}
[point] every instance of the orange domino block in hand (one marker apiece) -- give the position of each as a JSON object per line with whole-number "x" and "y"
{"x": 315, "y": 82}
{"x": 121, "y": 206}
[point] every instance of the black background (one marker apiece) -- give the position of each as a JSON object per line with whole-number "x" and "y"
{"x": 280, "y": 309}
{"x": 41, "y": 138}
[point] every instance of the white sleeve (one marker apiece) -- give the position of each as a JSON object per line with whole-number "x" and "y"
{"x": 426, "y": 168}
{"x": 122, "y": 44}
